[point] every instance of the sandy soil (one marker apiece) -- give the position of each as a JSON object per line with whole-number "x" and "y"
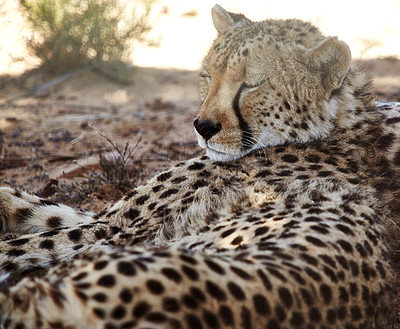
{"x": 48, "y": 145}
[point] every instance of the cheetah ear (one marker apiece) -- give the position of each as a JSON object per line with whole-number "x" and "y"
{"x": 330, "y": 59}
{"x": 224, "y": 20}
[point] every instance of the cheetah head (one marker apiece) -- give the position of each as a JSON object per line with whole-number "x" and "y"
{"x": 267, "y": 83}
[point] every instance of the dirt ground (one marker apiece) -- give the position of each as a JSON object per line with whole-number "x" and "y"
{"x": 49, "y": 144}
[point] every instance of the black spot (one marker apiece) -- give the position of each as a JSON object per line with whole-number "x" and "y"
{"x": 261, "y": 305}
{"x": 132, "y": 213}
{"x": 227, "y": 232}
{"x": 245, "y": 315}
{"x": 199, "y": 183}
{"x": 141, "y": 309}
{"x": 168, "y": 193}
{"x": 326, "y": 293}
{"x": 157, "y": 188}
{"x": 367, "y": 271}
{"x": 190, "y": 273}
{"x": 266, "y": 282}
{"x": 314, "y": 315}
{"x": 107, "y": 281}
{"x": 385, "y": 141}
{"x": 210, "y": 319}
{"x": 241, "y": 273}
{"x": 50, "y": 233}
{"x": 156, "y": 317}
{"x": 189, "y": 301}
{"x": 54, "y": 222}
{"x": 236, "y": 291}
{"x": 245, "y": 52}
{"x": 299, "y": 279}
{"x": 280, "y": 313}
{"x": 215, "y": 291}
{"x": 273, "y": 324}
{"x": 22, "y": 214}
{"x": 57, "y": 297}
{"x": 155, "y": 287}
{"x": 308, "y": 299}
{"x": 46, "y": 244}
{"x": 15, "y": 252}
{"x": 75, "y": 235}
{"x": 315, "y": 241}
{"x": 356, "y": 313}
{"x": 226, "y": 314}
{"x": 198, "y": 294}
{"x": 237, "y": 240}
{"x": 304, "y": 125}
{"x": 142, "y": 199}
{"x": 361, "y": 250}
{"x": 396, "y": 159}
{"x": 343, "y": 295}
{"x": 100, "y": 234}
{"x": 309, "y": 259}
{"x": 324, "y": 173}
{"x": 290, "y": 158}
{"x": 80, "y": 276}
{"x": 178, "y": 180}
{"x": 98, "y": 312}
{"x": 314, "y": 275}
{"x": 393, "y": 120}
{"x": 286, "y": 297}
{"x": 345, "y": 246}
{"x": 261, "y": 230}
{"x": 172, "y": 274}
{"x": 297, "y": 319}
{"x": 196, "y": 166}
{"x": 118, "y": 312}
{"x": 164, "y": 176}
{"x": 126, "y": 268}
{"x": 170, "y": 305}
{"x": 188, "y": 259}
{"x": 380, "y": 269}
{"x": 328, "y": 260}
{"x": 100, "y": 265}
{"x": 312, "y": 158}
{"x": 193, "y": 322}
{"x": 125, "y": 295}
{"x": 214, "y": 267}
{"x": 345, "y": 229}
{"x": 342, "y": 312}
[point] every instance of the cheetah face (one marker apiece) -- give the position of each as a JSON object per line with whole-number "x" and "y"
{"x": 267, "y": 83}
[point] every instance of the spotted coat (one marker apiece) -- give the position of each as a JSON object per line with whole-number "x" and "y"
{"x": 292, "y": 230}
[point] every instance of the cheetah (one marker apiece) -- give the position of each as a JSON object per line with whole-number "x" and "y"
{"x": 288, "y": 221}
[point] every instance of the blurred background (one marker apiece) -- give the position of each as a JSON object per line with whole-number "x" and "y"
{"x": 183, "y": 28}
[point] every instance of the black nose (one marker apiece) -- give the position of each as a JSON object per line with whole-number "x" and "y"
{"x": 206, "y": 128}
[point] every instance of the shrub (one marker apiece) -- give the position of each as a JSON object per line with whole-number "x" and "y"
{"x": 70, "y": 34}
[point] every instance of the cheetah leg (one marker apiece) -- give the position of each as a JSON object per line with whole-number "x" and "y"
{"x": 24, "y": 213}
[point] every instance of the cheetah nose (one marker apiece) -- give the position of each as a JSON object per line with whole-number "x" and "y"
{"x": 206, "y": 128}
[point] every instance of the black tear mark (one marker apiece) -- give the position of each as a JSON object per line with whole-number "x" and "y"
{"x": 244, "y": 127}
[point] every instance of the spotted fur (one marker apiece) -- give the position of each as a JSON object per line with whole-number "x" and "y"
{"x": 289, "y": 222}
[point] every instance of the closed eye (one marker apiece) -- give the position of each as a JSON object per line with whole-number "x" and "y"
{"x": 250, "y": 87}
{"x": 205, "y": 75}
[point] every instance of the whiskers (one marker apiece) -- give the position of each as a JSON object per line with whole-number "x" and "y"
{"x": 250, "y": 139}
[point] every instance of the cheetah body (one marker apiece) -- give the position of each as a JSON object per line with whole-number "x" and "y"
{"x": 287, "y": 223}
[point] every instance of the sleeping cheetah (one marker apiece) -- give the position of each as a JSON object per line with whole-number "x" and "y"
{"x": 288, "y": 222}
